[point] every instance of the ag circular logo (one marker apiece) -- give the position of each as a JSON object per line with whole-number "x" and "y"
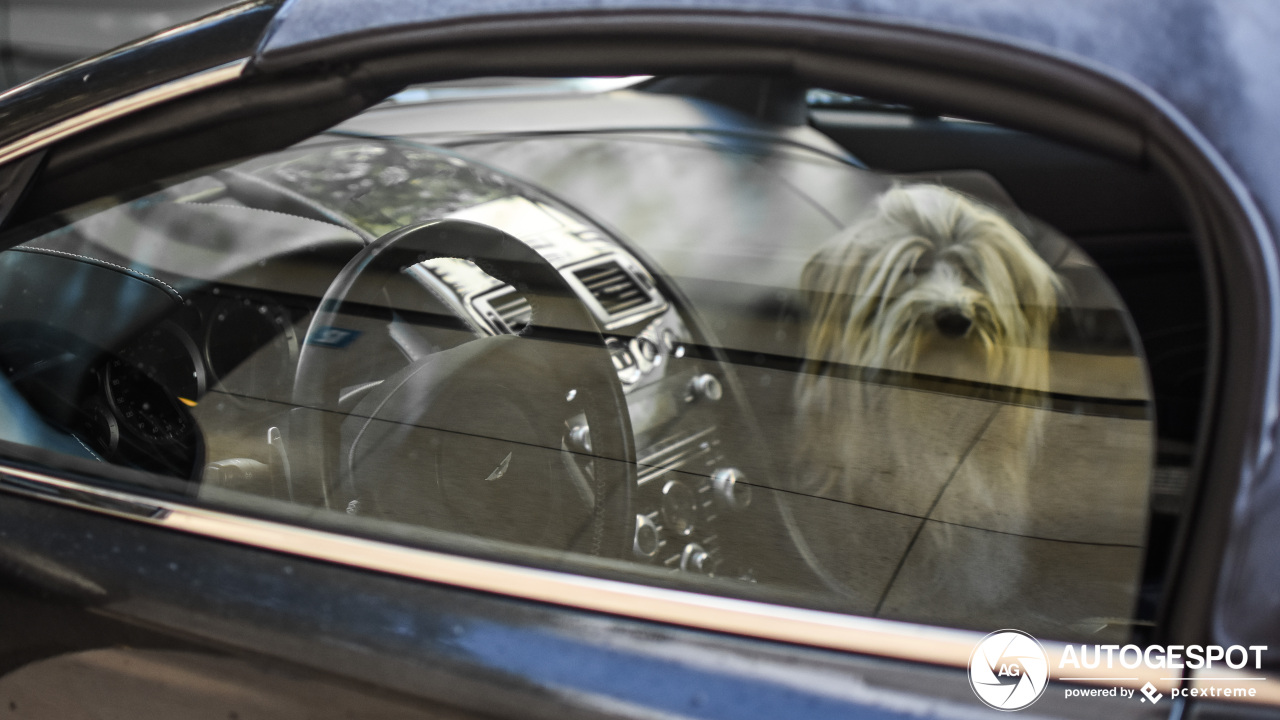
{"x": 1008, "y": 670}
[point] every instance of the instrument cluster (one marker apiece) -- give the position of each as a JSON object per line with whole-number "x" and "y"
{"x": 225, "y": 346}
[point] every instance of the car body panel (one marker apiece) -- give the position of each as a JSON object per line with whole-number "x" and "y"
{"x": 222, "y": 37}
{"x": 484, "y": 652}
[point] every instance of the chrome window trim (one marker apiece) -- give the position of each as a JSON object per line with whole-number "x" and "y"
{"x": 833, "y": 631}
{"x": 124, "y": 106}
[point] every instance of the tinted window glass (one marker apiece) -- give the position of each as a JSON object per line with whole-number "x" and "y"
{"x": 726, "y": 358}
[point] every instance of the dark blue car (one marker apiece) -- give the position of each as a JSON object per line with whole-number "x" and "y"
{"x": 641, "y": 359}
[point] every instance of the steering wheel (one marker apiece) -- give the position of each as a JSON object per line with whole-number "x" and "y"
{"x": 474, "y": 438}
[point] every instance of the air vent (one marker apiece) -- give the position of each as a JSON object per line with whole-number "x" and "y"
{"x": 513, "y": 311}
{"x": 504, "y": 311}
{"x": 613, "y": 287}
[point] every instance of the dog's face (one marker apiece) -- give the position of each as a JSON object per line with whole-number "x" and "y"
{"x": 930, "y": 273}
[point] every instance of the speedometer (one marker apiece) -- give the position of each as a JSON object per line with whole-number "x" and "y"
{"x": 251, "y": 347}
{"x": 147, "y": 384}
{"x": 142, "y": 404}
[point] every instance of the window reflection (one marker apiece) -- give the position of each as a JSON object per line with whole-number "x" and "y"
{"x": 933, "y": 390}
{"x": 705, "y": 361}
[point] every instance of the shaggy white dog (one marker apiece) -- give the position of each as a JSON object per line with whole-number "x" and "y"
{"x": 924, "y": 409}
{"x": 931, "y": 285}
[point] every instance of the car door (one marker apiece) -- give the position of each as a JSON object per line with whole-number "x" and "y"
{"x": 147, "y": 585}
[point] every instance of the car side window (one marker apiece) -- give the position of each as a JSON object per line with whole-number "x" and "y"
{"x": 727, "y": 358}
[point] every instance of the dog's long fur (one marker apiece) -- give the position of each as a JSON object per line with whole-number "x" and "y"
{"x": 894, "y": 293}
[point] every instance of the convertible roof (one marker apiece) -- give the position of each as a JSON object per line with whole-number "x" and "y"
{"x": 1215, "y": 61}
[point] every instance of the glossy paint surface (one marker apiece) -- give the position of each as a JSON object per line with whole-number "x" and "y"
{"x": 1213, "y": 61}
{"x": 204, "y": 43}
{"x": 485, "y": 653}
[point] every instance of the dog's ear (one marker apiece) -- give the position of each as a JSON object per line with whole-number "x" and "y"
{"x": 825, "y": 286}
{"x": 1039, "y": 289}
{"x": 1036, "y": 286}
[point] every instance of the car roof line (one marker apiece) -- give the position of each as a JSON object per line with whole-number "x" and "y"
{"x": 124, "y": 106}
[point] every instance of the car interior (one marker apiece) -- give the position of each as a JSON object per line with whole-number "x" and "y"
{"x": 569, "y": 323}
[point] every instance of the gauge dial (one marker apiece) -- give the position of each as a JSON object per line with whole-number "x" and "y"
{"x": 150, "y": 381}
{"x": 251, "y": 347}
{"x": 104, "y": 429}
{"x": 142, "y": 404}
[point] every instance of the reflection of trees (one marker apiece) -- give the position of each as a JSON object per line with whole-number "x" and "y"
{"x": 383, "y": 186}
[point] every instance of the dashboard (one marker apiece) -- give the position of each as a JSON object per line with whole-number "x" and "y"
{"x": 684, "y": 482}
{"x": 200, "y": 385}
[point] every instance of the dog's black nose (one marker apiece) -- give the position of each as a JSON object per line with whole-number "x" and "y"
{"x": 952, "y": 323}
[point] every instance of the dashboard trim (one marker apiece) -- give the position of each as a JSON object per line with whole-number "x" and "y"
{"x": 870, "y": 636}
